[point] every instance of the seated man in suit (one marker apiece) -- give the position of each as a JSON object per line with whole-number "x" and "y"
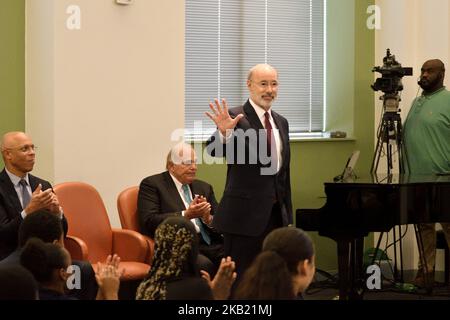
{"x": 178, "y": 192}
{"x": 22, "y": 195}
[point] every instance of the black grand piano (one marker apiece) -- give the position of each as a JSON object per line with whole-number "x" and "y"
{"x": 375, "y": 203}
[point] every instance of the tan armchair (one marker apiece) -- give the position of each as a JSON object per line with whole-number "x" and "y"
{"x": 90, "y": 236}
{"x": 127, "y": 208}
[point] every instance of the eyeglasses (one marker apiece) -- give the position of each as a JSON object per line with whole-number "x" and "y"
{"x": 189, "y": 162}
{"x": 266, "y": 84}
{"x": 24, "y": 149}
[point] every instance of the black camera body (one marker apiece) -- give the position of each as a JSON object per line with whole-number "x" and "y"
{"x": 392, "y": 73}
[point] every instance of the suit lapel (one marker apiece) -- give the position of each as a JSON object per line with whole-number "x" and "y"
{"x": 196, "y": 189}
{"x": 281, "y": 128}
{"x": 252, "y": 117}
{"x": 33, "y": 182}
{"x": 10, "y": 191}
{"x": 173, "y": 191}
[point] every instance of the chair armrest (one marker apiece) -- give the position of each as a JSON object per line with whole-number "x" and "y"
{"x": 77, "y": 248}
{"x": 130, "y": 245}
{"x": 151, "y": 249}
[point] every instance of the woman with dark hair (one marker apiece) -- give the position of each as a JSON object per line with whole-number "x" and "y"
{"x": 283, "y": 270}
{"x": 49, "y": 263}
{"x": 174, "y": 274}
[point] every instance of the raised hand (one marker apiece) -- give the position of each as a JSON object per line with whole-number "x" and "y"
{"x": 108, "y": 276}
{"x": 39, "y": 200}
{"x": 54, "y": 206}
{"x": 197, "y": 209}
{"x": 221, "y": 117}
{"x": 224, "y": 279}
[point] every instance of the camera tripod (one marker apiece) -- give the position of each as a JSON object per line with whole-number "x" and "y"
{"x": 390, "y": 143}
{"x": 390, "y": 135}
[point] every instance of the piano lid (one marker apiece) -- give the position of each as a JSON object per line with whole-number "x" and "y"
{"x": 395, "y": 179}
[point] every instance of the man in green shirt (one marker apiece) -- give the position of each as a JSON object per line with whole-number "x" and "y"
{"x": 427, "y": 144}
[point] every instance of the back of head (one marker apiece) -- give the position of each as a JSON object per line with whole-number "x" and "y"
{"x": 270, "y": 275}
{"x": 42, "y": 259}
{"x": 17, "y": 283}
{"x": 292, "y": 244}
{"x": 266, "y": 279}
{"x": 42, "y": 225}
{"x": 176, "y": 250}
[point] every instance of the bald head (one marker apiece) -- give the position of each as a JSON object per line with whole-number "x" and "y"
{"x": 179, "y": 153}
{"x": 11, "y": 139}
{"x": 17, "y": 152}
{"x": 432, "y": 76}
{"x": 182, "y": 163}
{"x": 260, "y": 68}
{"x": 435, "y": 63}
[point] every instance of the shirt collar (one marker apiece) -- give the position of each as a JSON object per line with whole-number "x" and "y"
{"x": 260, "y": 111}
{"x": 432, "y": 94}
{"x": 178, "y": 184}
{"x": 15, "y": 179}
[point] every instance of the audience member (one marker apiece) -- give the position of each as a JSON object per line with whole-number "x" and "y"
{"x": 17, "y": 283}
{"x": 49, "y": 263}
{"x": 175, "y": 275}
{"x": 47, "y": 227}
{"x": 283, "y": 270}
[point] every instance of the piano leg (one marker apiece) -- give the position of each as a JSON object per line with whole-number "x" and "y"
{"x": 357, "y": 281}
{"x": 350, "y": 261}
{"x": 343, "y": 248}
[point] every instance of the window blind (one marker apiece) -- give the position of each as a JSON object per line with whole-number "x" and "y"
{"x": 225, "y": 38}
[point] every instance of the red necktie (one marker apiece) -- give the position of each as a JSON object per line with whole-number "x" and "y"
{"x": 271, "y": 144}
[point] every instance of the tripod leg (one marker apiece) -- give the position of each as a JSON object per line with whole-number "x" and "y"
{"x": 423, "y": 259}
{"x": 401, "y": 163}
{"x": 395, "y": 255}
{"x": 401, "y": 253}
{"x": 377, "y": 248}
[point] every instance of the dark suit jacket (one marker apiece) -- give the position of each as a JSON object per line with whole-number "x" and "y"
{"x": 159, "y": 199}
{"x": 249, "y": 196}
{"x": 10, "y": 209}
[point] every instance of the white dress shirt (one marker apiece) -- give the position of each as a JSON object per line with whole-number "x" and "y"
{"x": 179, "y": 187}
{"x": 261, "y": 115}
{"x": 16, "y": 182}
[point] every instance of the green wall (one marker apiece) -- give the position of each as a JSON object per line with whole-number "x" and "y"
{"x": 350, "y": 107}
{"x": 12, "y": 66}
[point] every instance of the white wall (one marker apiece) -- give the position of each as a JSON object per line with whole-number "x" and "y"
{"x": 415, "y": 31}
{"x": 39, "y": 78}
{"x": 114, "y": 90}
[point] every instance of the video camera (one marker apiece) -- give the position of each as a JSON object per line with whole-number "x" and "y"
{"x": 391, "y": 75}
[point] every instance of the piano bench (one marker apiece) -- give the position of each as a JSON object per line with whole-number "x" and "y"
{"x": 441, "y": 243}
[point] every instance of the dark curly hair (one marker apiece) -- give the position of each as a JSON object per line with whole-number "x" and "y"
{"x": 176, "y": 250}
{"x": 41, "y": 259}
